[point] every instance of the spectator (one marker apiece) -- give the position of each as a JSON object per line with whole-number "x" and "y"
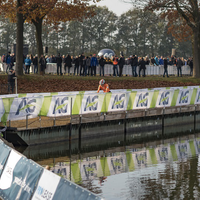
{"x": 134, "y": 64}
{"x": 94, "y": 63}
{"x": 190, "y": 63}
{"x": 121, "y": 64}
{"x": 115, "y": 65}
{"x": 161, "y": 62}
{"x": 88, "y": 62}
{"x": 59, "y": 64}
{"x": 152, "y": 62}
{"x": 156, "y": 61}
{"x": 68, "y": 63}
{"x": 142, "y": 66}
{"x": 81, "y": 58}
{"x": 42, "y": 62}
{"x": 165, "y": 62}
{"x": 11, "y": 80}
{"x": 35, "y": 64}
{"x": 27, "y": 62}
{"x": 102, "y": 63}
{"x": 179, "y": 65}
{"x": 76, "y": 62}
{"x": 8, "y": 62}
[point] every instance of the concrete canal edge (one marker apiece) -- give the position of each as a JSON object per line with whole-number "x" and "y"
{"x": 23, "y": 178}
{"x": 73, "y": 130}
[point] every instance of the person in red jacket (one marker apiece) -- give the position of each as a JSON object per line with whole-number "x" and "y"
{"x": 103, "y": 86}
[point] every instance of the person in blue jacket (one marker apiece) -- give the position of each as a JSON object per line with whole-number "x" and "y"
{"x": 156, "y": 61}
{"x": 27, "y": 62}
{"x": 94, "y": 63}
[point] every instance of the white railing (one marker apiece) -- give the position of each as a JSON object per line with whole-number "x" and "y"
{"x": 51, "y": 68}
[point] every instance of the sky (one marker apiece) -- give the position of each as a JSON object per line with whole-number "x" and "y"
{"x": 117, "y": 6}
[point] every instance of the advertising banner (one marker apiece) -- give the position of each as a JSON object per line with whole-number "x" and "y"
{"x": 140, "y": 159}
{"x": 4, "y": 153}
{"x": 90, "y": 169}
{"x": 118, "y": 102}
{"x": 183, "y": 149}
{"x": 117, "y": 163}
{"x": 85, "y": 102}
{"x": 92, "y": 103}
{"x": 143, "y": 100}
{"x": 184, "y": 96}
{"x": 19, "y": 177}
{"x": 164, "y": 98}
{"x": 59, "y": 106}
{"x": 21, "y": 107}
{"x": 46, "y": 186}
{"x": 68, "y": 190}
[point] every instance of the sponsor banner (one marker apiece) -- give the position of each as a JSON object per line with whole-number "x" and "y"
{"x": 140, "y": 159}
{"x": 90, "y": 169}
{"x": 4, "y": 153}
{"x": 59, "y": 106}
{"x": 197, "y": 98}
{"x": 183, "y": 150}
{"x": 197, "y": 146}
{"x": 46, "y": 186}
{"x": 163, "y": 154}
{"x": 21, "y": 107}
{"x": 92, "y": 103}
{"x": 68, "y": 190}
{"x": 62, "y": 170}
{"x": 2, "y": 110}
{"x": 184, "y": 96}
{"x": 117, "y": 164}
{"x": 143, "y": 100}
{"x": 164, "y": 98}
{"x": 25, "y": 176}
{"x": 118, "y": 102}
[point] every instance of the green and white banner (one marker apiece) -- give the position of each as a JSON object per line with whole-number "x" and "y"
{"x": 85, "y": 102}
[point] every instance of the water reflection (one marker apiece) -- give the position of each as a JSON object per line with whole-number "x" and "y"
{"x": 165, "y": 171}
{"x": 132, "y": 163}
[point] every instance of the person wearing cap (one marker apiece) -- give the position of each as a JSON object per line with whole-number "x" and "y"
{"x": 94, "y": 63}
{"x": 103, "y": 86}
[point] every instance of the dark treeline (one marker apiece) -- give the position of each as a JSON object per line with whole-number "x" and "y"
{"x": 134, "y": 32}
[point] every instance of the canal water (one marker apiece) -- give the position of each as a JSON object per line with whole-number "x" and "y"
{"x": 137, "y": 163}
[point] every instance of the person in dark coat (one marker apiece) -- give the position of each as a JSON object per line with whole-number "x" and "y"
{"x": 11, "y": 80}
{"x": 102, "y": 63}
{"x": 142, "y": 65}
{"x": 88, "y": 62}
{"x": 42, "y": 62}
{"x": 76, "y": 65}
{"x": 68, "y": 63}
{"x": 179, "y": 65}
{"x": 190, "y": 63}
{"x": 59, "y": 64}
{"x": 81, "y": 64}
{"x": 121, "y": 64}
{"x": 134, "y": 64}
{"x": 165, "y": 67}
{"x": 35, "y": 64}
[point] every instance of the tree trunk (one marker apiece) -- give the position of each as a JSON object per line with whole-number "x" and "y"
{"x": 196, "y": 54}
{"x": 19, "y": 43}
{"x": 38, "y": 35}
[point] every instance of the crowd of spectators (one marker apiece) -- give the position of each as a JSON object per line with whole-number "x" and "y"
{"x": 87, "y": 65}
